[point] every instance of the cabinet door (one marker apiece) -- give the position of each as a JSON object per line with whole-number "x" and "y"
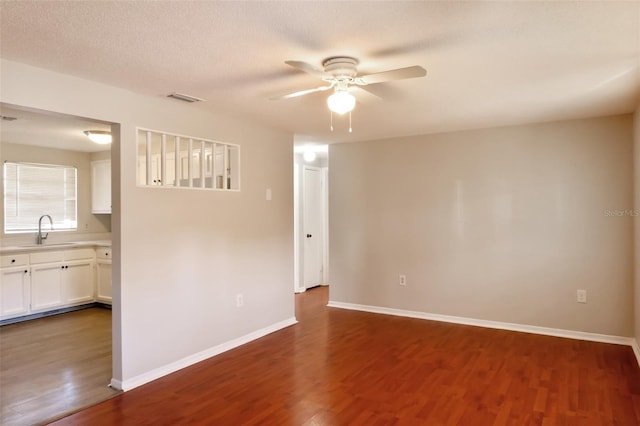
{"x": 14, "y": 292}
{"x": 46, "y": 286}
{"x": 78, "y": 282}
{"x": 101, "y": 186}
{"x": 104, "y": 281}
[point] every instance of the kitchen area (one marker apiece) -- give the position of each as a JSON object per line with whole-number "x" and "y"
{"x": 55, "y": 265}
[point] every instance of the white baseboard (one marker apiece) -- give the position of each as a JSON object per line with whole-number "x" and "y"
{"x": 636, "y": 350}
{"x": 115, "y": 384}
{"x": 570, "y": 334}
{"x": 303, "y": 289}
{"x": 156, "y": 373}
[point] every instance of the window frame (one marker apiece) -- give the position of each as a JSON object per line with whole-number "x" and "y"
{"x": 68, "y": 222}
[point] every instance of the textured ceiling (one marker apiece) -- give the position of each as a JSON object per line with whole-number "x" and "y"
{"x": 488, "y": 63}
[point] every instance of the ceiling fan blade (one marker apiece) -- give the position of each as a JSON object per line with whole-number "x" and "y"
{"x": 397, "y": 74}
{"x": 301, "y": 93}
{"x": 309, "y": 69}
{"x": 363, "y": 95}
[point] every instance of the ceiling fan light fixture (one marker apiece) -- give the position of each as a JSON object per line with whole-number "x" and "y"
{"x": 100, "y": 137}
{"x": 341, "y": 102}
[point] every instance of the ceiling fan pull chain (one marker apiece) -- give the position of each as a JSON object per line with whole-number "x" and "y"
{"x": 331, "y": 114}
{"x": 350, "y": 130}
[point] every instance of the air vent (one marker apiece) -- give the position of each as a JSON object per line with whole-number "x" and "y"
{"x": 186, "y": 98}
{"x": 7, "y": 118}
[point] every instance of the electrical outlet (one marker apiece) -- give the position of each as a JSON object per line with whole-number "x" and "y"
{"x": 581, "y": 296}
{"x": 239, "y": 300}
{"x": 403, "y": 280}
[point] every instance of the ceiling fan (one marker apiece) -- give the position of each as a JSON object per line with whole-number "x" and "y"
{"x": 341, "y": 74}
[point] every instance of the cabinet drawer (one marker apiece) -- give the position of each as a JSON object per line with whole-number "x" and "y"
{"x": 78, "y": 254}
{"x": 103, "y": 253}
{"x": 13, "y": 260}
{"x": 46, "y": 256}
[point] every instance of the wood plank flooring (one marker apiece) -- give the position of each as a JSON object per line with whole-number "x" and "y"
{"x": 339, "y": 367}
{"x": 55, "y": 365}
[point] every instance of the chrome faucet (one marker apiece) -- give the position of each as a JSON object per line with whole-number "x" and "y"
{"x": 39, "y": 238}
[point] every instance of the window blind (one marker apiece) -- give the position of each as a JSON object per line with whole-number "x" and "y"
{"x": 32, "y": 190}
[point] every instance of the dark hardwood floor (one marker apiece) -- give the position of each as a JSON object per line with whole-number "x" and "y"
{"x": 55, "y": 365}
{"x": 340, "y": 367}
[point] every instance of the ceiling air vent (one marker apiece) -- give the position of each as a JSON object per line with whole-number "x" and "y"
{"x": 186, "y": 98}
{"x": 7, "y": 118}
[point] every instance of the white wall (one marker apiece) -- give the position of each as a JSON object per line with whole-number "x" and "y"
{"x": 181, "y": 256}
{"x": 636, "y": 151}
{"x": 88, "y": 223}
{"x": 100, "y": 155}
{"x": 497, "y": 224}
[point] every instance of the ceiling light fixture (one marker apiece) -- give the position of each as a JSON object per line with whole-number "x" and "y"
{"x": 309, "y": 156}
{"x": 101, "y": 137}
{"x": 341, "y": 101}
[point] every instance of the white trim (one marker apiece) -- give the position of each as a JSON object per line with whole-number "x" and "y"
{"x": 325, "y": 226}
{"x": 636, "y": 350}
{"x": 156, "y": 373}
{"x": 115, "y": 384}
{"x": 569, "y": 334}
{"x": 296, "y": 229}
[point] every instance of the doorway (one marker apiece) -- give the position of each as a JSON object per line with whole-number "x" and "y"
{"x": 311, "y": 231}
{"x": 313, "y": 227}
{"x": 61, "y": 358}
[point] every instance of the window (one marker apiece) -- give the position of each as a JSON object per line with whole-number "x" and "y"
{"x": 32, "y": 190}
{"x": 169, "y": 160}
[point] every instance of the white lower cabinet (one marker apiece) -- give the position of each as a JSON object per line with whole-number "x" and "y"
{"x": 77, "y": 282}
{"x": 46, "y": 287}
{"x": 14, "y": 292}
{"x": 61, "y": 278}
{"x": 46, "y": 280}
{"x": 103, "y": 281}
{"x": 103, "y": 274}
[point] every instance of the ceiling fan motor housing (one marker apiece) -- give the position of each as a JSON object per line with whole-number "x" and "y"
{"x": 340, "y": 73}
{"x": 341, "y": 67}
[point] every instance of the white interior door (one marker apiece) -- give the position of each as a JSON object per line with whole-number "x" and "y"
{"x": 313, "y": 229}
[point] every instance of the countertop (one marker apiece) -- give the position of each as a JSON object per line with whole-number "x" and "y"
{"x": 53, "y": 246}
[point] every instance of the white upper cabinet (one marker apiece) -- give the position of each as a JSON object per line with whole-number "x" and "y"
{"x": 101, "y": 187}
